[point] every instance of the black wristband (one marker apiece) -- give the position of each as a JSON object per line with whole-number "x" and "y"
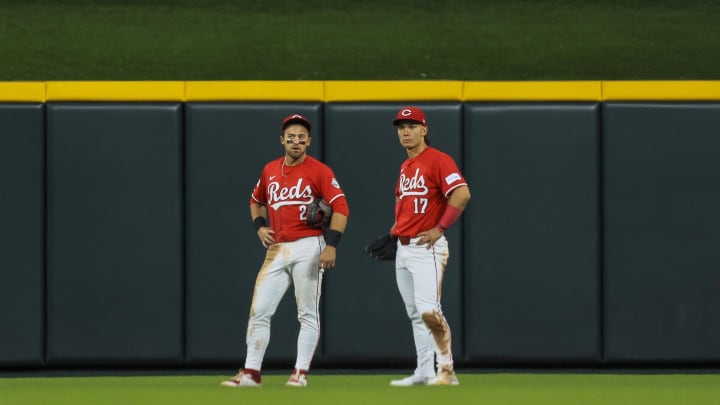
{"x": 259, "y": 222}
{"x": 332, "y": 237}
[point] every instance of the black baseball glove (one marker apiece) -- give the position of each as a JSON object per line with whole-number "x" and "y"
{"x": 383, "y": 248}
{"x": 318, "y": 214}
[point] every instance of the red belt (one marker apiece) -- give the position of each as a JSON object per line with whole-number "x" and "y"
{"x": 405, "y": 240}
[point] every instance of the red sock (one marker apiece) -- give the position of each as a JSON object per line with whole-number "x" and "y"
{"x": 254, "y": 374}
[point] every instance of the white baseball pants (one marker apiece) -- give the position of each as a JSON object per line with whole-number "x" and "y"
{"x": 287, "y": 263}
{"x": 419, "y": 272}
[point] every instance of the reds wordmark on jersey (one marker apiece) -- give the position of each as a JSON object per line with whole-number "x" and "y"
{"x": 422, "y": 189}
{"x": 287, "y": 190}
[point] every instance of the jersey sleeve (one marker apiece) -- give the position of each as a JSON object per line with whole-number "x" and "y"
{"x": 258, "y": 193}
{"x": 332, "y": 193}
{"x": 450, "y": 176}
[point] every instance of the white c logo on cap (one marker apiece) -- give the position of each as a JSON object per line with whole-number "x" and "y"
{"x": 406, "y": 112}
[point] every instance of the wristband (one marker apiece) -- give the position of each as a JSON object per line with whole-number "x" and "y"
{"x": 449, "y": 217}
{"x": 259, "y": 222}
{"x": 332, "y": 237}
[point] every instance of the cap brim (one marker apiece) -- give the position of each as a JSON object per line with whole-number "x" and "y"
{"x": 399, "y": 120}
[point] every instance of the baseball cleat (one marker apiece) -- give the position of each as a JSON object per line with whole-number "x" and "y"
{"x": 298, "y": 378}
{"x": 446, "y": 376}
{"x": 412, "y": 380}
{"x": 243, "y": 380}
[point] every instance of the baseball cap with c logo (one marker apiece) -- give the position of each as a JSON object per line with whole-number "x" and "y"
{"x": 296, "y": 119}
{"x": 410, "y": 114}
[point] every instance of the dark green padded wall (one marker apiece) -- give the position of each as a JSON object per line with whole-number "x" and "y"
{"x": 587, "y": 241}
{"x": 22, "y": 244}
{"x": 662, "y": 232}
{"x": 365, "y": 320}
{"x": 227, "y": 147}
{"x": 114, "y": 264}
{"x": 532, "y": 233}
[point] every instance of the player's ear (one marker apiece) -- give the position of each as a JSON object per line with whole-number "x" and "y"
{"x": 282, "y": 139}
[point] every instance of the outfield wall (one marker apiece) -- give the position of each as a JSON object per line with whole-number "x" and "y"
{"x": 590, "y": 238}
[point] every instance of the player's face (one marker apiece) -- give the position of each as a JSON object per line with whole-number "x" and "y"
{"x": 411, "y": 134}
{"x": 296, "y": 139}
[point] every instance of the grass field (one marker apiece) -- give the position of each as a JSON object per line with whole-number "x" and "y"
{"x": 480, "y": 388}
{"x": 359, "y": 40}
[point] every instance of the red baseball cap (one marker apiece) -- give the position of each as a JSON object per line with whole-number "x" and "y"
{"x": 410, "y": 114}
{"x": 296, "y": 119}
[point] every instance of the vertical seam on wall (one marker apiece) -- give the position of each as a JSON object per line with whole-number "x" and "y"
{"x": 182, "y": 142}
{"x": 601, "y": 228}
{"x": 323, "y": 132}
{"x": 44, "y": 231}
{"x": 464, "y": 273}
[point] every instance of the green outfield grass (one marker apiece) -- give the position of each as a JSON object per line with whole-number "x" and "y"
{"x": 481, "y": 388}
{"x": 359, "y": 40}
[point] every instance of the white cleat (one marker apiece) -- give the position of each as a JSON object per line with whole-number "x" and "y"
{"x": 446, "y": 376}
{"x": 412, "y": 380}
{"x": 242, "y": 380}
{"x": 297, "y": 379}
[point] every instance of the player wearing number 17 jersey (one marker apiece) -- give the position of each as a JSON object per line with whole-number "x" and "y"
{"x": 297, "y": 252}
{"x": 430, "y": 195}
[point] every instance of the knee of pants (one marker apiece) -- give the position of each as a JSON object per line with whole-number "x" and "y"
{"x": 423, "y": 309}
{"x": 261, "y": 315}
{"x": 413, "y": 313}
{"x": 309, "y": 322}
{"x": 260, "y": 319}
{"x": 415, "y": 310}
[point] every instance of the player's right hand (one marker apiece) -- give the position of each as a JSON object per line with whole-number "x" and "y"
{"x": 429, "y": 237}
{"x": 265, "y": 234}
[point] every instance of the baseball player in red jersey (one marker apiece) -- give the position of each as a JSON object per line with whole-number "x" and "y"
{"x": 431, "y": 193}
{"x": 297, "y": 253}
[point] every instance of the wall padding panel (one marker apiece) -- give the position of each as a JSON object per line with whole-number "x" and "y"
{"x": 22, "y": 244}
{"x": 662, "y": 228}
{"x": 114, "y": 264}
{"x": 228, "y": 144}
{"x": 365, "y": 319}
{"x": 532, "y": 233}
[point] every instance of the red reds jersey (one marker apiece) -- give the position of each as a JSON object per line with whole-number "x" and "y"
{"x": 286, "y": 191}
{"x": 423, "y": 187}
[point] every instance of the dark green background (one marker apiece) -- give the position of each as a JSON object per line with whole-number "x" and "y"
{"x": 359, "y": 40}
{"x": 590, "y": 239}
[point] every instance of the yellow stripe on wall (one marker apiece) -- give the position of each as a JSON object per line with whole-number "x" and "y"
{"x": 254, "y": 91}
{"x": 359, "y": 91}
{"x": 116, "y": 91}
{"x": 22, "y": 91}
{"x": 393, "y": 91}
{"x": 661, "y": 90}
{"x": 533, "y": 91}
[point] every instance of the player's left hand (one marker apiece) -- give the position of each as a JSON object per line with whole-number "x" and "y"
{"x": 327, "y": 258}
{"x": 429, "y": 237}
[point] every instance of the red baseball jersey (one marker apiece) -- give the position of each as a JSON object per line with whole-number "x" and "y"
{"x": 286, "y": 191}
{"x": 422, "y": 190}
